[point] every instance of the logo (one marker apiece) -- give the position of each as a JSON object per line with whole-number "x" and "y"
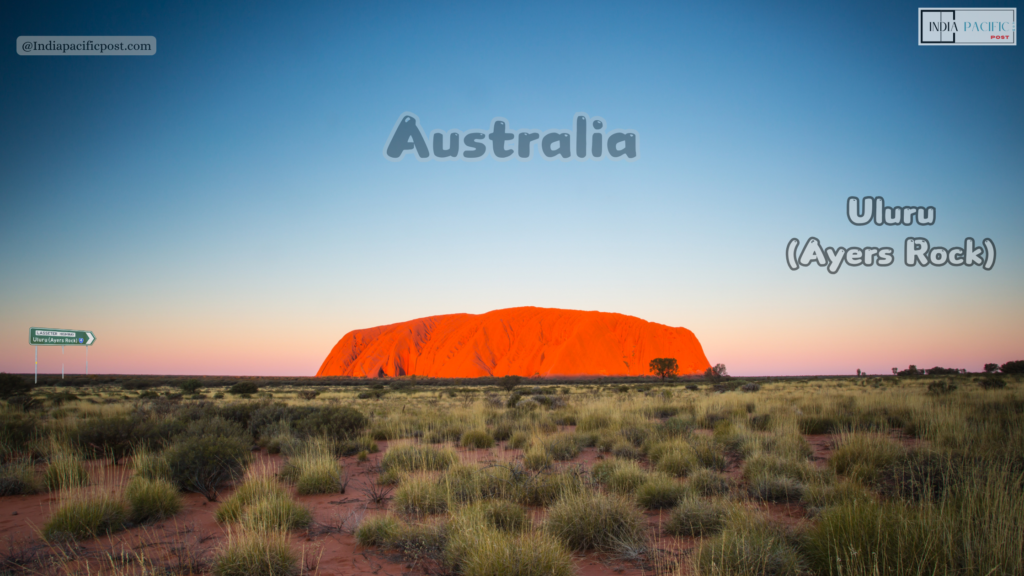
{"x": 966, "y": 26}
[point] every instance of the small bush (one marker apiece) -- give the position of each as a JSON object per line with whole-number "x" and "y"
{"x": 596, "y": 521}
{"x": 536, "y": 458}
{"x": 992, "y": 383}
{"x": 339, "y": 422}
{"x": 210, "y": 452}
{"x": 477, "y": 439}
{"x": 241, "y": 388}
{"x": 619, "y": 476}
{"x": 256, "y": 554}
{"x": 697, "y": 517}
{"x": 750, "y": 387}
{"x": 13, "y": 385}
{"x": 152, "y": 499}
{"x": 660, "y": 492}
{"x": 191, "y": 386}
{"x": 82, "y": 517}
{"x": 562, "y": 446}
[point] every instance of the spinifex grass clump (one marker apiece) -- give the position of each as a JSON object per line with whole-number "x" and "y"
{"x": 314, "y": 468}
{"x": 596, "y": 521}
{"x": 546, "y": 488}
{"x": 660, "y": 491}
{"x": 475, "y": 547}
{"x": 477, "y": 439}
{"x": 65, "y": 469}
{"x": 151, "y": 500}
{"x": 619, "y": 476}
{"x": 82, "y": 514}
{"x": 707, "y": 482}
{"x": 748, "y": 549}
{"x": 150, "y": 465}
{"x": 863, "y": 456}
{"x": 256, "y": 554}
{"x": 18, "y": 477}
{"x": 261, "y": 503}
{"x": 695, "y": 516}
{"x": 420, "y": 495}
{"x": 413, "y": 457}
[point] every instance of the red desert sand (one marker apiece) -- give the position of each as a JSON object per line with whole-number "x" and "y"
{"x": 524, "y": 341}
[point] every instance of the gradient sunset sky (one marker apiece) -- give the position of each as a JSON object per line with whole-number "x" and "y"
{"x": 224, "y": 207}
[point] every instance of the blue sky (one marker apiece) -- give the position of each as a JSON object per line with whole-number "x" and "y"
{"x": 224, "y": 205}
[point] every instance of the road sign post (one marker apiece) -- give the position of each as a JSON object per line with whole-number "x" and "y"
{"x": 58, "y": 337}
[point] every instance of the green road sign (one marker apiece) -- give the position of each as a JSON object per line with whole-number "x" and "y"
{"x": 58, "y": 337}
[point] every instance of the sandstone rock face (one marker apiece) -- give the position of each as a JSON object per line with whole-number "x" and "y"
{"x": 521, "y": 341}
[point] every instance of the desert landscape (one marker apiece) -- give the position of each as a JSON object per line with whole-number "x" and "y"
{"x": 911, "y": 474}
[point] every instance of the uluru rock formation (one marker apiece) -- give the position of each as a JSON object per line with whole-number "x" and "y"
{"x": 521, "y": 341}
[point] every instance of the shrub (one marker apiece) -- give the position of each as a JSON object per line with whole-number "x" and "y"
{"x": 240, "y": 388}
{"x": 412, "y": 457}
{"x": 697, "y": 517}
{"x": 152, "y": 500}
{"x": 86, "y": 516}
{"x": 596, "y": 521}
{"x": 776, "y": 489}
{"x": 941, "y": 387}
{"x": 339, "y": 422}
{"x": 256, "y": 554}
{"x": 13, "y": 385}
{"x": 750, "y": 387}
{"x": 191, "y": 386}
{"x": 106, "y": 435}
{"x": 1013, "y": 367}
{"x": 477, "y": 439}
{"x": 660, "y": 492}
{"x": 444, "y": 433}
{"x": 210, "y": 452}
{"x": 992, "y": 383}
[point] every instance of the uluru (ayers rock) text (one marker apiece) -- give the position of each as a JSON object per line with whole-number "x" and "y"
{"x": 514, "y": 341}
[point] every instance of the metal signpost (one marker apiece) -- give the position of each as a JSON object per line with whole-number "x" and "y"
{"x": 57, "y": 337}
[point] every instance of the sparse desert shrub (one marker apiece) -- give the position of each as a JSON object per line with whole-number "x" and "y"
{"x": 596, "y": 521}
{"x": 444, "y": 433}
{"x": 748, "y": 551}
{"x": 82, "y": 516}
{"x": 256, "y": 554}
{"x": 750, "y": 387}
{"x": 191, "y": 386}
{"x": 477, "y": 439}
{"x": 776, "y": 488}
{"x": 823, "y": 424}
{"x": 208, "y": 454}
{"x": 992, "y": 382}
{"x": 152, "y": 499}
{"x": 14, "y": 385}
{"x": 760, "y": 422}
{"x": 660, "y": 492}
{"x": 412, "y": 457}
{"x": 706, "y": 482}
{"x": 339, "y": 422}
{"x": 697, "y": 517}
{"x": 244, "y": 387}
{"x": 941, "y": 387}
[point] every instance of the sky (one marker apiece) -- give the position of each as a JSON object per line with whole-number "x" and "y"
{"x": 225, "y": 207}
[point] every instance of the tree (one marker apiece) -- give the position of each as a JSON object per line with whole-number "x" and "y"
{"x": 664, "y": 367}
{"x": 191, "y": 386}
{"x": 1015, "y": 367}
{"x": 509, "y": 383}
{"x": 991, "y": 368}
{"x": 716, "y": 373}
